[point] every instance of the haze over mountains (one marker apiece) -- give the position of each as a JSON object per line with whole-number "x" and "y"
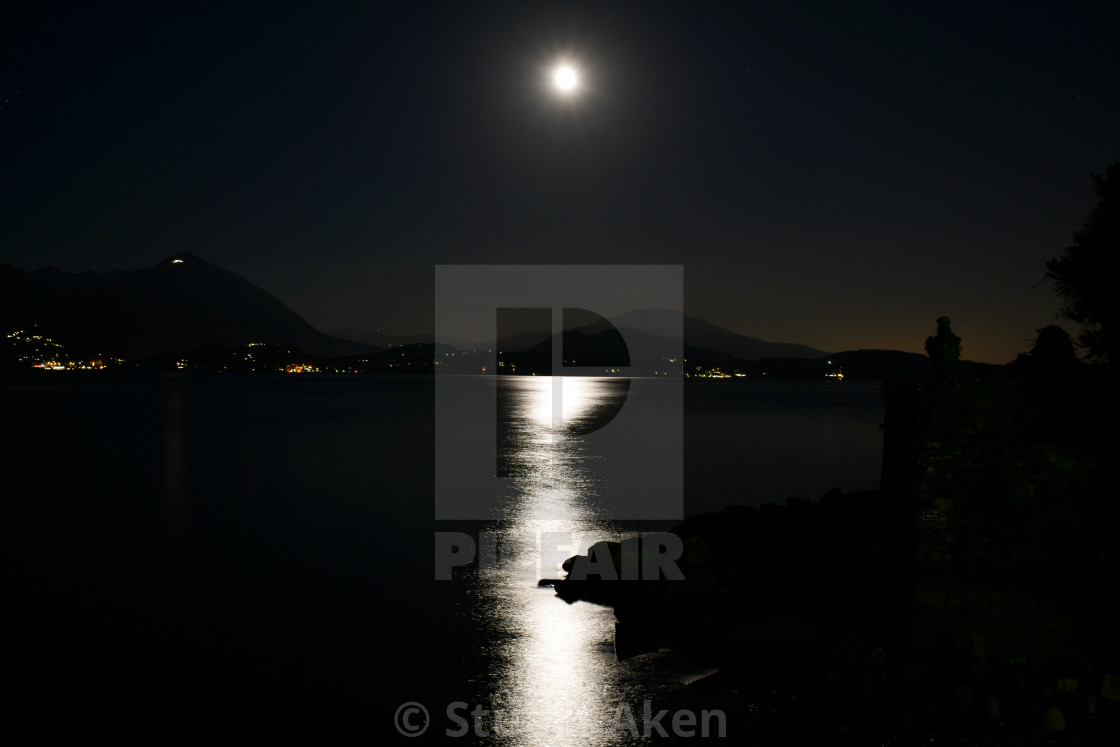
{"x": 183, "y": 303}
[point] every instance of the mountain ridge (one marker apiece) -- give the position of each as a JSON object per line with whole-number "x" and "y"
{"x": 184, "y": 302}
{"x": 180, "y": 303}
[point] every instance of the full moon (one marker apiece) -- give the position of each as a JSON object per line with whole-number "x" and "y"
{"x": 565, "y": 79}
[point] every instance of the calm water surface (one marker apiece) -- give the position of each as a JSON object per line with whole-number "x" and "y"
{"x": 202, "y": 558}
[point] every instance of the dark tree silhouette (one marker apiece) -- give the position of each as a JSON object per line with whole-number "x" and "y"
{"x": 1053, "y": 354}
{"x": 1087, "y": 275}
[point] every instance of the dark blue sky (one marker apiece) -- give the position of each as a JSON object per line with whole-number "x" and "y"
{"x": 837, "y": 175}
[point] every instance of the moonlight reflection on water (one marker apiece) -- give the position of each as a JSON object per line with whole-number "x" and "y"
{"x": 555, "y": 677}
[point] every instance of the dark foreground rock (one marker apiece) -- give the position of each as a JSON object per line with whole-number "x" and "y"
{"x": 830, "y": 613}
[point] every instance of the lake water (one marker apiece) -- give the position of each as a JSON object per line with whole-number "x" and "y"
{"x": 217, "y": 558}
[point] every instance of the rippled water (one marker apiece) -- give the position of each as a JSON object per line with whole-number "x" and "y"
{"x": 554, "y": 673}
{"x": 252, "y": 557}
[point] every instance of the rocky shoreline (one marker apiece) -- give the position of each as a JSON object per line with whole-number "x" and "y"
{"x": 834, "y": 615}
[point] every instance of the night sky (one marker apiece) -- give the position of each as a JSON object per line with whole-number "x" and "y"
{"x": 836, "y": 175}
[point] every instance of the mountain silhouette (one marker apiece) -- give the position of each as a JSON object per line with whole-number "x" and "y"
{"x": 703, "y": 335}
{"x": 880, "y": 365}
{"x": 180, "y": 303}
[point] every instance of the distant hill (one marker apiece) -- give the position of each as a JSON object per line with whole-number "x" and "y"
{"x": 381, "y": 338}
{"x": 178, "y": 304}
{"x": 880, "y": 365}
{"x": 702, "y": 338}
{"x": 703, "y": 335}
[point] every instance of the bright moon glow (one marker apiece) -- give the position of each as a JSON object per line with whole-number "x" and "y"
{"x": 565, "y": 79}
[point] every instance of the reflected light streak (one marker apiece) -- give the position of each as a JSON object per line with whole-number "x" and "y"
{"x": 579, "y": 395}
{"x": 557, "y": 667}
